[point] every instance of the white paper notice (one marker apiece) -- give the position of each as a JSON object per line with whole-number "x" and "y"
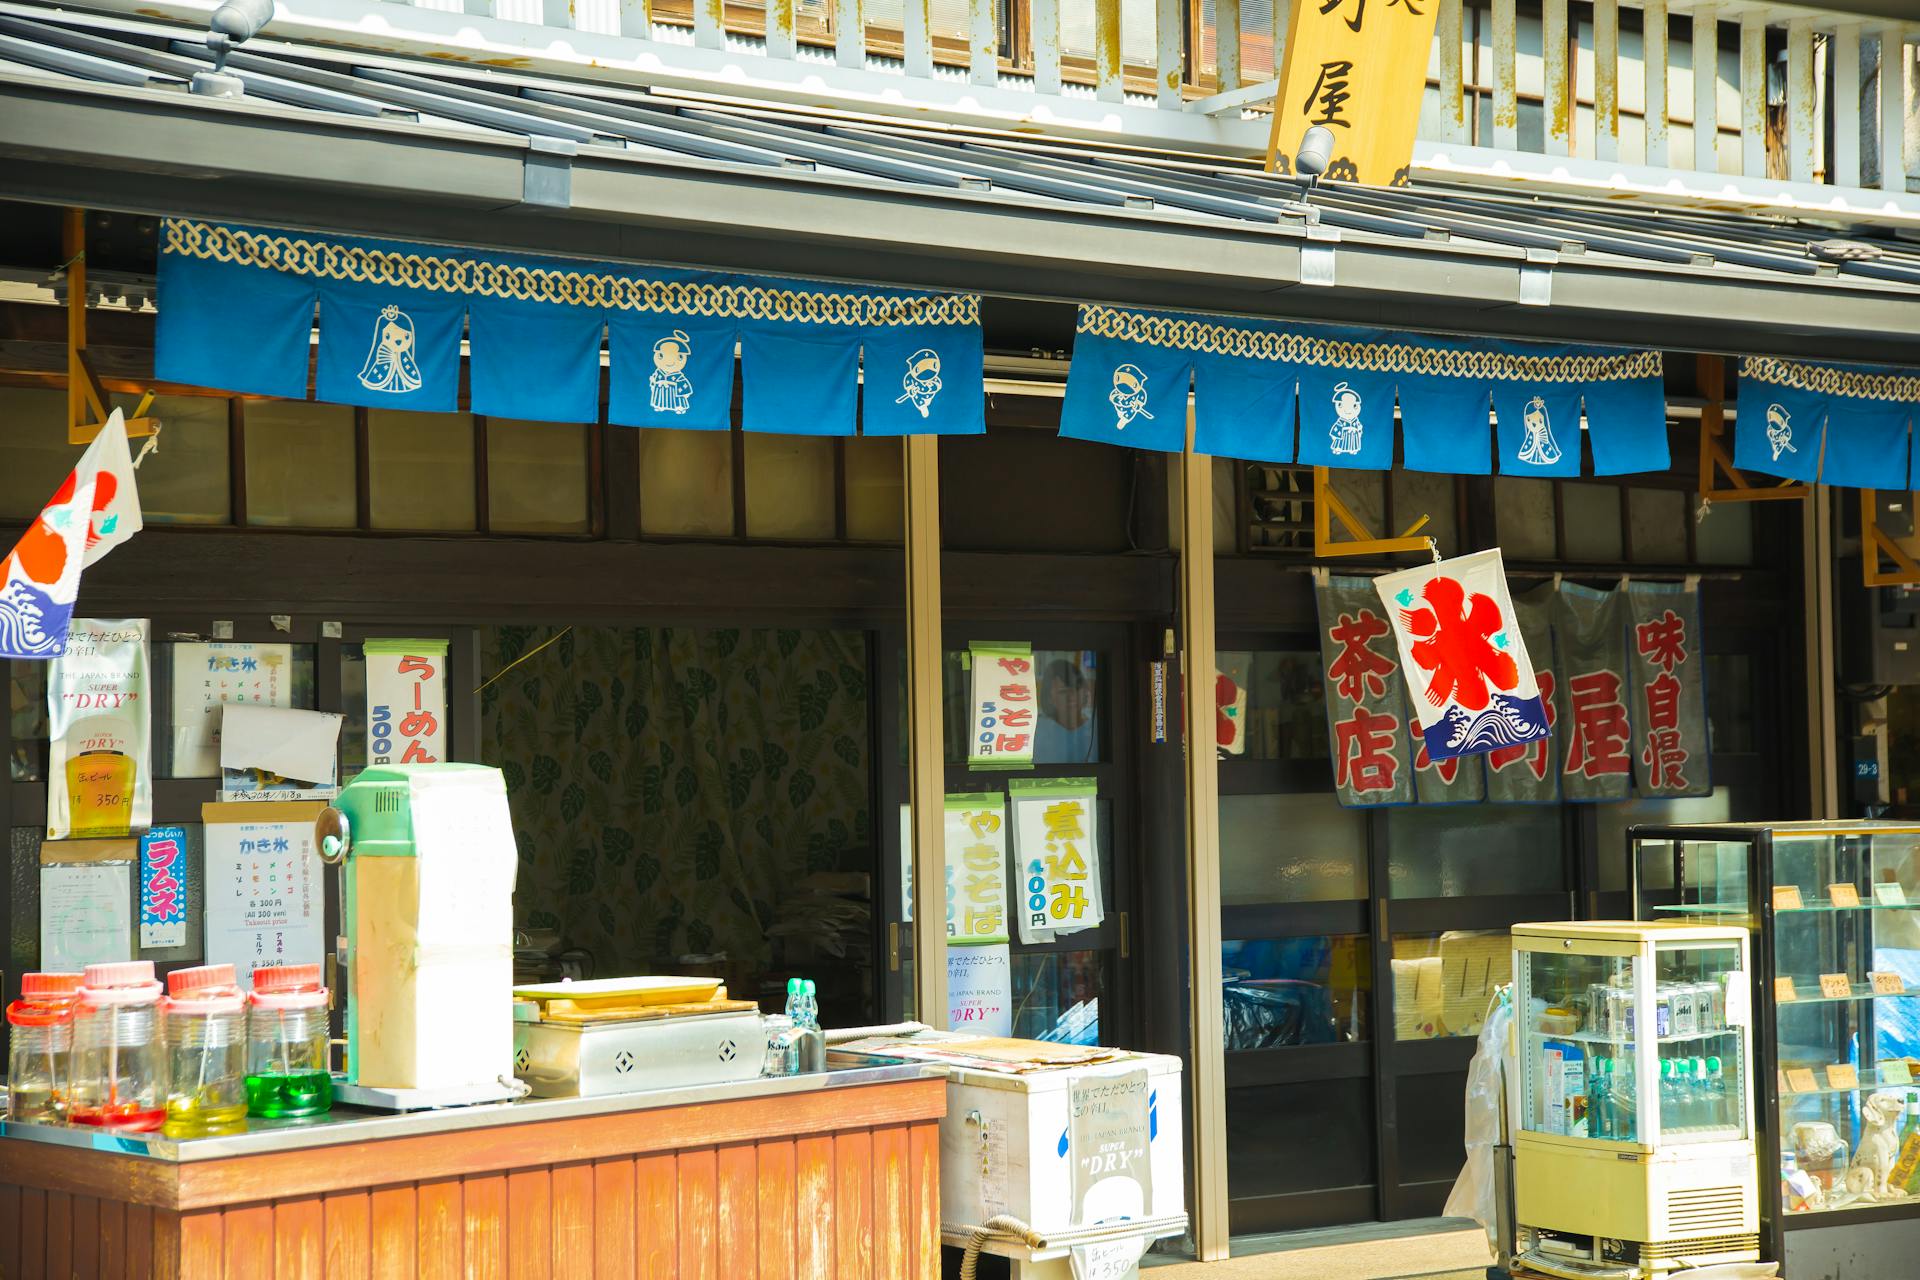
{"x": 262, "y": 748}
{"x": 207, "y": 677}
{"x": 980, "y": 989}
{"x": 86, "y": 915}
{"x": 265, "y": 891}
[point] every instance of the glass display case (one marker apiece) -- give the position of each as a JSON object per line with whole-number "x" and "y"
{"x": 1633, "y": 1135}
{"x": 1834, "y": 908}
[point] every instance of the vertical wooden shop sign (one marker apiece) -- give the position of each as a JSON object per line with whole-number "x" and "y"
{"x": 1358, "y": 68}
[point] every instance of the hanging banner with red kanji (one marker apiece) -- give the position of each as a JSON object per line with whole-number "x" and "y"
{"x": 1529, "y": 773}
{"x": 1593, "y": 726}
{"x": 1469, "y": 677}
{"x": 1366, "y": 707}
{"x": 1669, "y": 713}
{"x": 406, "y": 701}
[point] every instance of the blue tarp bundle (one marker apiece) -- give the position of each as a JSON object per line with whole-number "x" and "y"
{"x": 237, "y": 313}
{"x": 1251, "y": 379}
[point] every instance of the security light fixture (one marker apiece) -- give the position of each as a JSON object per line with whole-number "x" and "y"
{"x": 1315, "y": 153}
{"x": 234, "y": 22}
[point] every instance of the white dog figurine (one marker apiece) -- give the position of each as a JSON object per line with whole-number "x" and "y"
{"x": 1879, "y": 1146}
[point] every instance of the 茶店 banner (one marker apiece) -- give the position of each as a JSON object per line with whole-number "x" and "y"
{"x": 1593, "y": 725}
{"x": 406, "y": 701}
{"x": 1670, "y": 739}
{"x": 100, "y": 761}
{"x": 1528, "y": 773}
{"x": 1366, "y": 706}
{"x": 1054, "y": 843}
{"x": 1001, "y": 733}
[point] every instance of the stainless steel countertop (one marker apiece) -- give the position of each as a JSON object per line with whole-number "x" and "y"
{"x": 350, "y": 1124}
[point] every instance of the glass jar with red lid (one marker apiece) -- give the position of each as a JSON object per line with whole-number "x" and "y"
{"x": 206, "y": 1031}
{"x": 41, "y": 1052}
{"x": 119, "y": 1077}
{"x": 287, "y": 1072}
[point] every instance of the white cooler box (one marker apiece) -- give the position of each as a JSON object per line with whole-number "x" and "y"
{"x": 1005, "y": 1148}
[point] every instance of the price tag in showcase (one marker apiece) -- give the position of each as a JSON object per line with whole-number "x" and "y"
{"x": 1843, "y": 895}
{"x": 1835, "y": 986}
{"x": 1896, "y": 1071}
{"x": 1800, "y": 1080}
{"x": 1841, "y": 1075}
{"x": 1888, "y": 984}
{"x": 1783, "y": 991}
{"x": 1786, "y": 897}
{"x": 1889, "y": 894}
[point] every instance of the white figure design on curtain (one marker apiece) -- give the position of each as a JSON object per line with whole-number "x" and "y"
{"x": 392, "y": 364}
{"x": 1129, "y": 396}
{"x": 1347, "y": 427}
{"x": 672, "y": 390}
{"x": 922, "y": 381}
{"x": 1779, "y": 431}
{"x": 1538, "y": 448}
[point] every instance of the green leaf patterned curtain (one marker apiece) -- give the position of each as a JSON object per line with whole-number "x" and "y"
{"x": 669, "y": 785}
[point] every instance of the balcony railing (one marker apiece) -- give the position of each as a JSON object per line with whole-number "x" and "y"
{"x": 1805, "y": 109}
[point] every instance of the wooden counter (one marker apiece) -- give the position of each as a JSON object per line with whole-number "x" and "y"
{"x": 812, "y": 1177}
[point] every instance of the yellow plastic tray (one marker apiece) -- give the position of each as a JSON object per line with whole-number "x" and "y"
{"x": 623, "y": 993}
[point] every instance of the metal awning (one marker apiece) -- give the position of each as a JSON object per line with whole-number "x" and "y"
{"x": 95, "y": 111}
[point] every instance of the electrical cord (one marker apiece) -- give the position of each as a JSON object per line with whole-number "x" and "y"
{"x": 999, "y": 1227}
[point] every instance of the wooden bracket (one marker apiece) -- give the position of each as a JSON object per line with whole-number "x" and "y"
{"x": 87, "y": 408}
{"x": 1876, "y": 542}
{"x": 1327, "y": 507}
{"x": 1714, "y": 456}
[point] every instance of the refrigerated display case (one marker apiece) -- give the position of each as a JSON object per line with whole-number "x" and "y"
{"x": 1633, "y": 1140}
{"x": 1834, "y": 910}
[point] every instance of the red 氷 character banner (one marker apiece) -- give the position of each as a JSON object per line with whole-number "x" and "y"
{"x": 1669, "y": 712}
{"x": 1469, "y": 677}
{"x": 1366, "y": 710}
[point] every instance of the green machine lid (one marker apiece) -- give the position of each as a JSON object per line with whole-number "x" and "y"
{"x": 377, "y": 804}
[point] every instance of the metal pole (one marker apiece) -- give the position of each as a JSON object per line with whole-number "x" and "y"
{"x": 926, "y": 750}
{"x": 1207, "y": 1063}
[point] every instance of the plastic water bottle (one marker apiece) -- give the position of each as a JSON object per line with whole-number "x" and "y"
{"x": 813, "y": 1044}
{"x": 1716, "y": 1096}
{"x": 1621, "y": 1104}
{"x": 1599, "y": 1103}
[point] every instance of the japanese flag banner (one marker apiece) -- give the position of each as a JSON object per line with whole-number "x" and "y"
{"x": 1590, "y": 650}
{"x": 1366, "y": 709}
{"x": 1529, "y": 773}
{"x": 1469, "y": 678}
{"x": 95, "y": 509}
{"x": 1669, "y": 713}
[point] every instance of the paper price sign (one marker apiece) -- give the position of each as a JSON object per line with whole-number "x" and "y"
{"x": 1888, "y": 984}
{"x": 1843, "y": 895}
{"x": 1054, "y": 840}
{"x": 1004, "y": 705}
{"x": 1783, "y": 991}
{"x": 976, "y": 865}
{"x": 1841, "y": 1075}
{"x": 1801, "y": 1080}
{"x": 1888, "y": 894}
{"x": 1786, "y": 897}
{"x": 1835, "y": 986}
{"x": 1896, "y": 1071}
